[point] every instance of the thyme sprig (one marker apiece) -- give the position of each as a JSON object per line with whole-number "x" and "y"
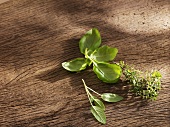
{"x": 146, "y": 85}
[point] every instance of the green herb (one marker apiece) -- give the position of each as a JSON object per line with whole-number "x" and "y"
{"x": 91, "y": 41}
{"x": 109, "y": 97}
{"x": 104, "y": 53}
{"x": 106, "y": 72}
{"x": 98, "y": 114}
{"x": 98, "y": 56}
{"x": 146, "y": 85}
{"x": 75, "y": 65}
{"x": 99, "y": 103}
{"x": 97, "y": 106}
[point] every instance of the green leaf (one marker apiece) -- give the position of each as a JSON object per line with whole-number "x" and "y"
{"x": 99, "y": 103}
{"x": 98, "y": 114}
{"x": 156, "y": 74}
{"x": 92, "y": 98}
{"x": 109, "y": 73}
{"x": 91, "y": 40}
{"x": 75, "y": 65}
{"x": 104, "y": 54}
{"x": 109, "y": 97}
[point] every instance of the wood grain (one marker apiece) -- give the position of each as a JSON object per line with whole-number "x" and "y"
{"x": 37, "y": 36}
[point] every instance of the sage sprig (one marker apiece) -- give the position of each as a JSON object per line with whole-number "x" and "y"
{"x": 97, "y": 106}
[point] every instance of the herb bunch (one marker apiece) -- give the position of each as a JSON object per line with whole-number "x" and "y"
{"x": 146, "y": 85}
{"x": 97, "y": 106}
{"x": 98, "y": 56}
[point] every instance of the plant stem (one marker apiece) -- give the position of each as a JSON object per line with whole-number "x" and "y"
{"x": 88, "y": 93}
{"x": 92, "y": 60}
{"x": 88, "y": 57}
{"x": 93, "y": 91}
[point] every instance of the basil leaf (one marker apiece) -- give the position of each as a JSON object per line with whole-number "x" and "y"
{"x": 75, "y": 65}
{"x": 99, "y": 103}
{"x": 91, "y": 40}
{"x": 109, "y": 97}
{"x": 104, "y": 54}
{"x": 106, "y": 72}
{"x": 98, "y": 113}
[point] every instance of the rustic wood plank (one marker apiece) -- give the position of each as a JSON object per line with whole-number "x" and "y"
{"x": 37, "y": 36}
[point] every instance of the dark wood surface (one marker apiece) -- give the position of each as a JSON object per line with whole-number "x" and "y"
{"x": 36, "y": 36}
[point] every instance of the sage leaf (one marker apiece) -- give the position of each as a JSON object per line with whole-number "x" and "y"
{"x": 109, "y": 97}
{"x": 99, "y": 103}
{"x": 109, "y": 73}
{"x": 75, "y": 65}
{"x": 104, "y": 54}
{"x": 91, "y": 41}
{"x": 99, "y": 114}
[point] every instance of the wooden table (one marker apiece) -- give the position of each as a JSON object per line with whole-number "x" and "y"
{"x": 36, "y": 36}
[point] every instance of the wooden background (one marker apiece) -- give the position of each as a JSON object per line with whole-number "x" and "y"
{"x": 36, "y": 36}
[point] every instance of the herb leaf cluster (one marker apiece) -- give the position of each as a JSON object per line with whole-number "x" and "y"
{"x": 89, "y": 45}
{"x": 97, "y": 106}
{"x": 146, "y": 85}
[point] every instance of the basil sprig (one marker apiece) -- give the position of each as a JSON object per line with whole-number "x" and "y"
{"x": 97, "y": 106}
{"x": 98, "y": 56}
